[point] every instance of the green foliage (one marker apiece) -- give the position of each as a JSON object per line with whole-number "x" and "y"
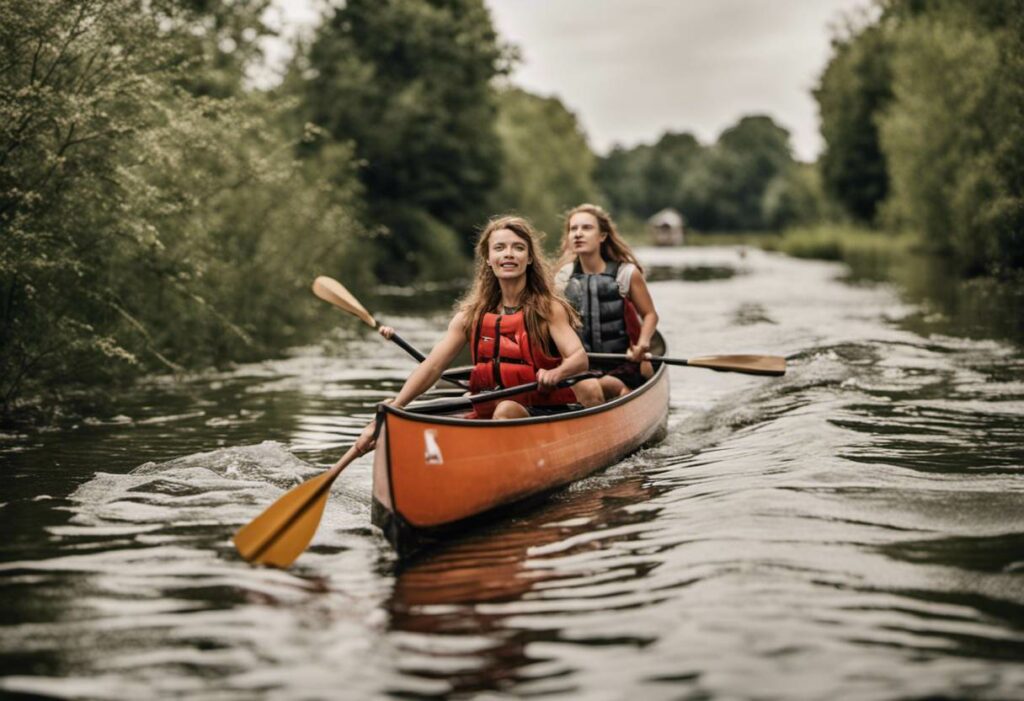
{"x": 842, "y": 242}
{"x": 145, "y": 227}
{"x": 648, "y": 178}
{"x": 219, "y": 40}
{"x": 936, "y": 132}
{"x": 795, "y": 197}
{"x": 724, "y": 187}
{"x": 941, "y": 90}
{"x": 547, "y": 162}
{"x": 408, "y": 83}
{"x": 854, "y": 90}
{"x": 413, "y": 244}
{"x": 749, "y": 156}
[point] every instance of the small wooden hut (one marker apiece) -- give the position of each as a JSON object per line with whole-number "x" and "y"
{"x": 666, "y": 228}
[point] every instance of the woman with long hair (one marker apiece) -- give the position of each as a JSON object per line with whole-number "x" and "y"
{"x": 520, "y": 331}
{"x": 604, "y": 282}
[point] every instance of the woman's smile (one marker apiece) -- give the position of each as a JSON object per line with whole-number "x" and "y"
{"x": 508, "y": 254}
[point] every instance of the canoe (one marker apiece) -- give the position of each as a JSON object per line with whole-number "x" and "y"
{"x": 435, "y": 476}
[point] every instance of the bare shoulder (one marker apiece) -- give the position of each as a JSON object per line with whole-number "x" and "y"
{"x": 557, "y": 313}
{"x": 637, "y": 277}
{"x": 459, "y": 322}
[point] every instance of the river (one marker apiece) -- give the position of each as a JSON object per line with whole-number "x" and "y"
{"x": 852, "y": 530}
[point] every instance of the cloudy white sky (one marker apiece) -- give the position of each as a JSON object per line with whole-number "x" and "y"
{"x": 632, "y": 69}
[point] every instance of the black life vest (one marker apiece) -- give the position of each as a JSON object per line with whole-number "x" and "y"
{"x": 610, "y": 321}
{"x": 503, "y": 356}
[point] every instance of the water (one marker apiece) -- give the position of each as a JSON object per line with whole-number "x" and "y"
{"x": 852, "y": 530}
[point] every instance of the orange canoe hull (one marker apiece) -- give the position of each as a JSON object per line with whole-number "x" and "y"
{"x": 433, "y": 473}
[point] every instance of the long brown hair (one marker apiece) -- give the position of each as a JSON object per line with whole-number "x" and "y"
{"x": 538, "y": 295}
{"x": 614, "y": 247}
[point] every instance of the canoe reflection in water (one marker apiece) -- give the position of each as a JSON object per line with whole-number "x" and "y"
{"x": 479, "y": 603}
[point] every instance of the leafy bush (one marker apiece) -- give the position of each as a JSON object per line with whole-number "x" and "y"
{"x": 145, "y": 226}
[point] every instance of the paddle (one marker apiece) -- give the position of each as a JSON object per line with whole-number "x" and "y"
{"x": 283, "y": 531}
{"x": 330, "y": 290}
{"x": 444, "y": 406}
{"x": 750, "y": 364}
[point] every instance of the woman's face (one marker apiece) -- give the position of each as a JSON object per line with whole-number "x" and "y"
{"x": 585, "y": 234}
{"x": 508, "y": 254}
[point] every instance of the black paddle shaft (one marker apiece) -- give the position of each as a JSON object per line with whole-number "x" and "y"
{"x": 444, "y": 406}
{"x": 621, "y": 358}
{"x": 408, "y": 348}
{"x": 456, "y": 376}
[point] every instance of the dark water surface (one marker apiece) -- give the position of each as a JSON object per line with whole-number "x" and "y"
{"x": 852, "y": 530}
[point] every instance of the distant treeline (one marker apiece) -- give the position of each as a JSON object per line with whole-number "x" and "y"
{"x": 157, "y": 212}
{"x": 747, "y": 181}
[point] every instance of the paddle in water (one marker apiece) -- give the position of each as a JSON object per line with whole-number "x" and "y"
{"x": 749, "y": 364}
{"x": 284, "y": 530}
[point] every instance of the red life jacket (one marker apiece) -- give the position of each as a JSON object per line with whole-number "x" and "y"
{"x": 503, "y": 356}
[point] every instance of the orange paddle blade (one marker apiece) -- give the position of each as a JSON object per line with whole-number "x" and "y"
{"x": 750, "y": 364}
{"x": 330, "y": 290}
{"x": 282, "y": 532}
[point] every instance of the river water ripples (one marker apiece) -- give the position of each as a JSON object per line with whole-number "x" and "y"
{"x": 852, "y": 530}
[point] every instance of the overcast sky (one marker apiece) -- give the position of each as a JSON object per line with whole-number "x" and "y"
{"x": 632, "y": 69}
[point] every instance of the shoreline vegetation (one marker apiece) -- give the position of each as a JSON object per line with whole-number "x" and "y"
{"x": 159, "y": 214}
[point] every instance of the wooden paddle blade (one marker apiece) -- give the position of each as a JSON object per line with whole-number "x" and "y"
{"x": 282, "y": 532}
{"x": 330, "y": 290}
{"x": 750, "y": 364}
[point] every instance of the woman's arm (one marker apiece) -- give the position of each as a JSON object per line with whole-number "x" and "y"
{"x": 437, "y": 361}
{"x": 574, "y": 357}
{"x": 425, "y": 375}
{"x": 640, "y": 296}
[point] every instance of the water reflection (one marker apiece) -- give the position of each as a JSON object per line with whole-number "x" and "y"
{"x": 689, "y": 273}
{"x": 948, "y": 304}
{"x": 458, "y": 610}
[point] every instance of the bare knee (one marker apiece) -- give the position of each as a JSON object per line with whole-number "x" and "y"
{"x": 588, "y": 392}
{"x": 509, "y": 410}
{"x": 613, "y": 387}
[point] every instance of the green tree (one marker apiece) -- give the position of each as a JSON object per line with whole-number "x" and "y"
{"x": 717, "y": 188}
{"x": 753, "y": 153}
{"x": 408, "y": 82}
{"x": 219, "y": 39}
{"x": 74, "y": 82}
{"x": 620, "y": 175}
{"x": 852, "y": 94}
{"x": 548, "y": 165}
{"x": 144, "y": 226}
{"x": 953, "y": 135}
{"x": 648, "y": 178}
{"x": 795, "y": 197}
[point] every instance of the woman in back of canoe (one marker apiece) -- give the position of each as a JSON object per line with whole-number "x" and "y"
{"x": 605, "y": 283}
{"x": 518, "y": 328}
